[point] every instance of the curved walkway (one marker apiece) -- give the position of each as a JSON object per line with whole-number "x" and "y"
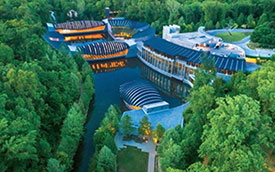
{"x": 243, "y": 43}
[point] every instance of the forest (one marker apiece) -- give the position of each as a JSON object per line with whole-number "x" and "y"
{"x": 228, "y": 126}
{"x": 190, "y": 14}
{"x": 45, "y": 94}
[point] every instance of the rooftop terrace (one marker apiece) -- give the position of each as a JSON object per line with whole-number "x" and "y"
{"x": 168, "y": 117}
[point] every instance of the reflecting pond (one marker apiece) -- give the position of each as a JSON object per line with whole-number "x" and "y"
{"x": 108, "y": 76}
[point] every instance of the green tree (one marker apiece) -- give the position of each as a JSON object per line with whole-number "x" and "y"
{"x": 241, "y": 19}
{"x": 106, "y": 160}
{"x": 87, "y": 92}
{"x": 209, "y": 25}
{"x": 263, "y": 34}
{"x": 111, "y": 120}
{"x": 158, "y": 133}
{"x": 6, "y": 54}
{"x": 169, "y": 149}
{"x": 109, "y": 141}
{"x": 218, "y": 25}
{"x": 173, "y": 170}
{"x": 71, "y": 133}
{"x": 173, "y": 8}
{"x": 144, "y": 128}
{"x": 236, "y": 83}
{"x": 250, "y": 21}
{"x": 263, "y": 19}
{"x": 99, "y": 137}
{"x": 171, "y": 157}
{"x": 55, "y": 166}
{"x": 220, "y": 87}
{"x": 127, "y": 125}
{"x": 214, "y": 11}
{"x": 198, "y": 166}
{"x": 238, "y": 145}
{"x": 206, "y": 73}
{"x": 18, "y": 144}
{"x": 202, "y": 100}
{"x": 260, "y": 86}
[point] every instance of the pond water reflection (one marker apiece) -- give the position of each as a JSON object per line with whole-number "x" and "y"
{"x": 109, "y": 75}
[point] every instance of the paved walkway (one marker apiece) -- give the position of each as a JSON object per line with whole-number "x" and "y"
{"x": 149, "y": 147}
{"x": 243, "y": 43}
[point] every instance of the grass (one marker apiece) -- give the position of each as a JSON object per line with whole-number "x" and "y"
{"x": 131, "y": 159}
{"x": 236, "y": 36}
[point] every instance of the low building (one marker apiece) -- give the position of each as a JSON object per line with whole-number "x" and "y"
{"x": 77, "y": 30}
{"x": 200, "y": 40}
{"x": 157, "y": 113}
{"x": 101, "y": 50}
{"x": 80, "y": 33}
{"x": 179, "y": 62}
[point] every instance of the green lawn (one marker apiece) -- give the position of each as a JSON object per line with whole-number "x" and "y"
{"x": 132, "y": 159}
{"x": 236, "y": 36}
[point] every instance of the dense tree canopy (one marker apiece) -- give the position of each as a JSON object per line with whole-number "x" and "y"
{"x": 104, "y": 140}
{"x": 232, "y": 133}
{"x": 234, "y": 138}
{"x": 38, "y": 87}
{"x": 44, "y": 94}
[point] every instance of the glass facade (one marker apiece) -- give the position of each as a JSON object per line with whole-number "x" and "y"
{"x": 166, "y": 84}
{"x": 171, "y": 65}
{"x": 176, "y": 66}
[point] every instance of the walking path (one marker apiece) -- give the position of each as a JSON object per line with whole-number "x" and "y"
{"x": 243, "y": 43}
{"x": 149, "y": 147}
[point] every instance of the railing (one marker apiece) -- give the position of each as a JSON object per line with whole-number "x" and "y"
{"x": 171, "y": 75}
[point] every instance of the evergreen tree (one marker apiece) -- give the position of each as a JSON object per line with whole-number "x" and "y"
{"x": 251, "y": 22}
{"x": 144, "y": 127}
{"x": 209, "y": 25}
{"x": 263, "y": 19}
{"x": 55, "y": 166}
{"x": 106, "y": 160}
{"x": 241, "y": 19}
{"x": 171, "y": 157}
{"x": 109, "y": 141}
{"x": 127, "y": 125}
{"x": 158, "y": 133}
{"x": 218, "y": 25}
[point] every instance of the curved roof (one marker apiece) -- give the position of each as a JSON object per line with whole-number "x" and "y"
{"x": 149, "y": 32}
{"x": 78, "y": 25}
{"x": 190, "y": 55}
{"x": 139, "y": 93}
{"x": 103, "y": 48}
{"x": 129, "y": 23}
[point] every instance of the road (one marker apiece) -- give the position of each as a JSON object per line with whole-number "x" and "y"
{"x": 243, "y": 43}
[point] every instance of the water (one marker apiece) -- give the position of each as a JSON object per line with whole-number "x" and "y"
{"x": 109, "y": 75}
